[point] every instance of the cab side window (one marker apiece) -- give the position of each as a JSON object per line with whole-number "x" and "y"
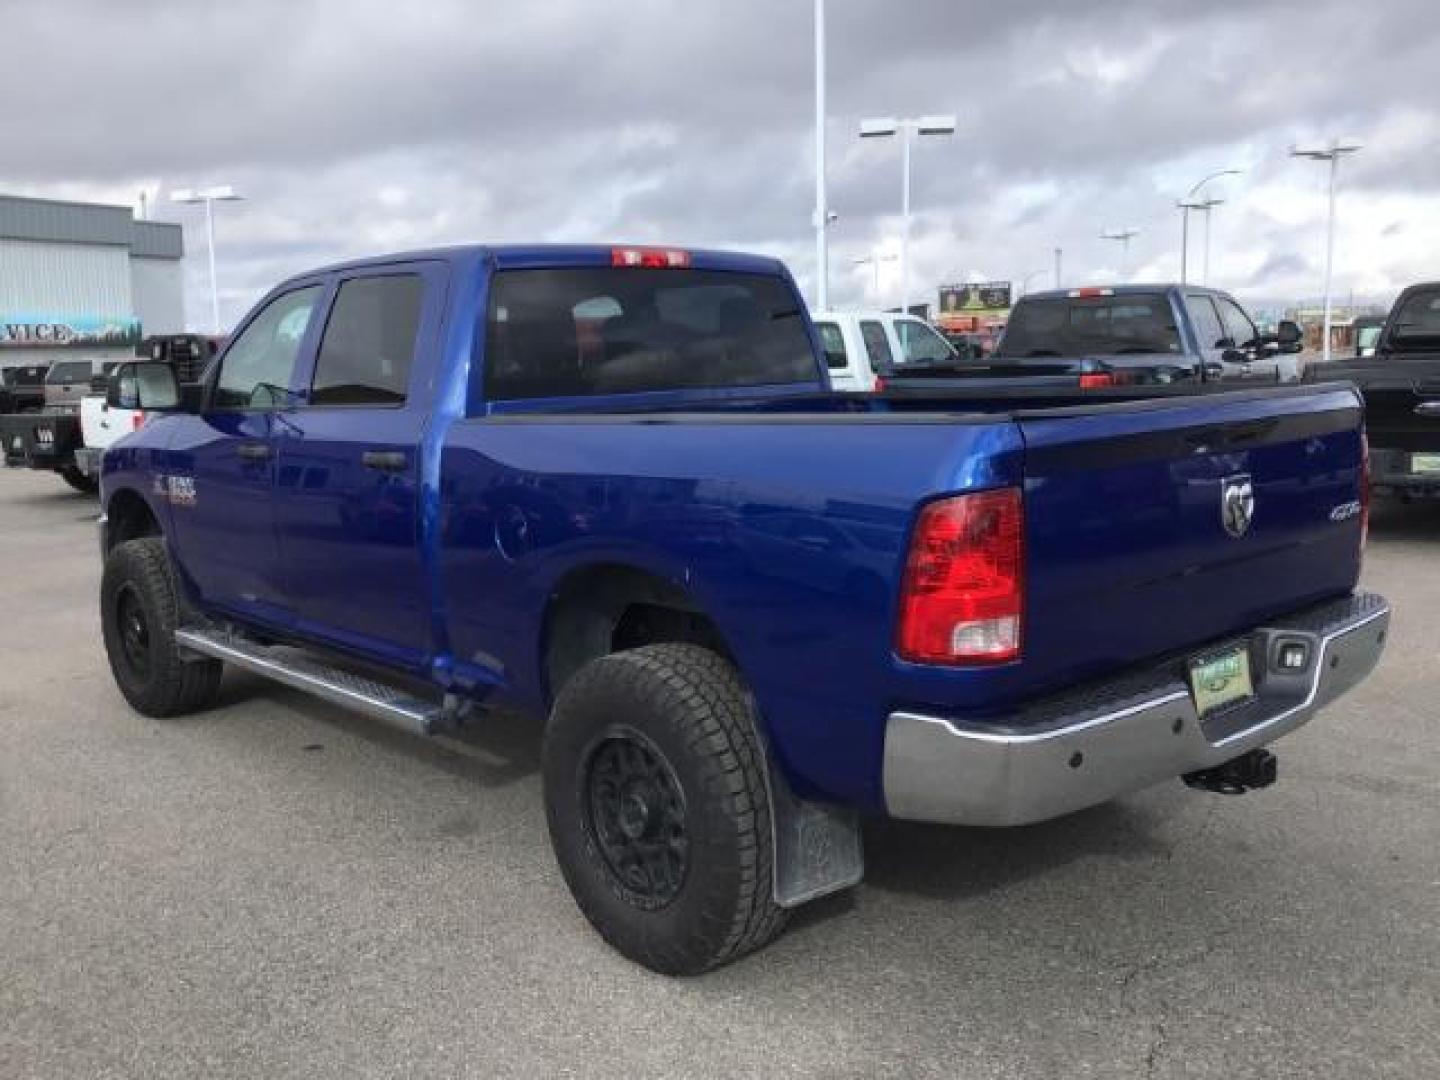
{"x": 833, "y": 342}
{"x": 369, "y": 342}
{"x": 877, "y": 346}
{"x": 255, "y": 372}
{"x": 1238, "y": 327}
{"x": 1207, "y": 323}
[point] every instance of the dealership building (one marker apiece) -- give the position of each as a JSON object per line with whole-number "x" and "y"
{"x": 83, "y": 280}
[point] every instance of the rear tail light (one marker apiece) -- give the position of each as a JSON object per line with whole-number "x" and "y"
{"x": 1364, "y": 490}
{"x": 1096, "y": 380}
{"x": 137, "y": 420}
{"x": 671, "y": 258}
{"x": 962, "y": 597}
{"x": 879, "y": 383}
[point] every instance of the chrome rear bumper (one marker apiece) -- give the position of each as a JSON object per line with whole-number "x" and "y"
{"x": 1081, "y": 750}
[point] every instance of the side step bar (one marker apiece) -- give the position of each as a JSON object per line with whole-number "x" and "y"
{"x": 391, "y": 704}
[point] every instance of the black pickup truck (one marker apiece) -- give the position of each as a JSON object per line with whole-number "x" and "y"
{"x": 1401, "y": 386}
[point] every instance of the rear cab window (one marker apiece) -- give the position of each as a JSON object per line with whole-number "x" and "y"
{"x": 1073, "y": 326}
{"x": 70, "y": 371}
{"x": 589, "y": 331}
{"x": 1416, "y": 325}
{"x": 1239, "y": 330}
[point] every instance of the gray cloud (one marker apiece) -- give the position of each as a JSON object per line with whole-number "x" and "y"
{"x": 374, "y": 125}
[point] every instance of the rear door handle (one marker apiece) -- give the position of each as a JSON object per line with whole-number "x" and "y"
{"x": 253, "y": 451}
{"x": 384, "y": 460}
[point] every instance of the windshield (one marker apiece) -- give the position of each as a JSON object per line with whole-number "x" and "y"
{"x": 600, "y": 330}
{"x": 1136, "y": 323}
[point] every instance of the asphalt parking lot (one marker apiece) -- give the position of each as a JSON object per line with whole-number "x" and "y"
{"x": 275, "y": 888}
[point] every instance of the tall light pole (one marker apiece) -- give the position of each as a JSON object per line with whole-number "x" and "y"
{"x": 874, "y": 261}
{"x": 1205, "y": 206}
{"x": 822, "y": 208}
{"x": 1059, "y": 254}
{"x": 1187, "y": 204}
{"x": 1123, "y": 237}
{"x": 210, "y": 196}
{"x": 906, "y": 128}
{"x": 1329, "y": 153}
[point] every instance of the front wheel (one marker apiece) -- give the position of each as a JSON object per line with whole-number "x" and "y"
{"x": 139, "y": 614}
{"x": 658, "y": 808}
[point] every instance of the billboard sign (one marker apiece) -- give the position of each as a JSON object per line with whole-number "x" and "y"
{"x": 988, "y": 298}
{"x": 68, "y": 331}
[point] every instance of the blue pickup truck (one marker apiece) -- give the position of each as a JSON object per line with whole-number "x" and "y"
{"x": 612, "y": 487}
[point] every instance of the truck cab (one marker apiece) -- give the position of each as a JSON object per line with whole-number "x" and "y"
{"x": 862, "y": 347}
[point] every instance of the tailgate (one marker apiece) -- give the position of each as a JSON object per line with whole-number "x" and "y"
{"x": 1155, "y": 527}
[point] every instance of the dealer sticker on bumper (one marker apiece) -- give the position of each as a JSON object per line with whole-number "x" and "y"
{"x": 1221, "y": 679}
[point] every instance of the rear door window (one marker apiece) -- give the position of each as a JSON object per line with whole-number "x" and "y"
{"x": 582, "y": 331}
{"x": 369, "y": 342}
{"x": 877, "y": 346}
{"x": 1129, "y": 323}
{"x": 832, "y": 340}
{"x": 1417, "y": 323}
{"x": 256, "y": 370}
{"x": 1207, "y": 321}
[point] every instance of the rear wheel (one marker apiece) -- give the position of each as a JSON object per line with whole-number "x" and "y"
{"x": 658, "y": 809}
{"x": 72, "y": 475}
{"x": 139, "y": 613}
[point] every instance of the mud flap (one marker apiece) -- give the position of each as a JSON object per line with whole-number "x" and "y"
{"x": 817, "y": 845}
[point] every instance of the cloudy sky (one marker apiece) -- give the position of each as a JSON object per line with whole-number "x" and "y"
{"x": 376, "y": 125}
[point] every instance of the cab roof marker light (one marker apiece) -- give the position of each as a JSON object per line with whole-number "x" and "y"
{"x": 662, "y": 258}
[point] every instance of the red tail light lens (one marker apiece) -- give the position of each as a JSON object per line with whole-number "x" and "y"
{"x": 879, "y": 383}
{"x": 1364, "y": 490}
{"x": 650, "y": 257}
{"x": 1096, "y": 381}
{"x": 137, "y": 420}
{"x": 962, "y": 598}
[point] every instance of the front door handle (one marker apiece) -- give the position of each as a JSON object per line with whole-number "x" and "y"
{"x": 253, "y": 451}
{"x": 384, "y": 460}
{"x": 1430, "y": 410}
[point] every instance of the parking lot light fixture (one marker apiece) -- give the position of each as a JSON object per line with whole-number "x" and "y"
{"x": 906, "y": 128}
{"x": 1123, "y": 237}
{"x": 209, "y": 196}
{"x": 1185, "y": 205}
{"x": 1329, "y": 153}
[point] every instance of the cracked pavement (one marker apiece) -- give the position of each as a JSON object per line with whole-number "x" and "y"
{"x": 275, "y": 888}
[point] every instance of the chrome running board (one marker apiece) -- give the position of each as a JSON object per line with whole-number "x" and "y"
{"x": 391, "y": 704}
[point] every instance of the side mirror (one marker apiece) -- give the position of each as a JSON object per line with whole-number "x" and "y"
{"x": 1288, "y": 334}
{"x": 143, "y": 384}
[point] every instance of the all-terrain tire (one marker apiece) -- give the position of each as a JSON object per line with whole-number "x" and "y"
{"x": 79, "y": 481}
{"x": 140, "y": 609}
{"x": 683, "y": 713}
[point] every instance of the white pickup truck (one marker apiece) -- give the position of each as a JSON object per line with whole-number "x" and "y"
{"x": 861, "y": 344}
{"x": 100, "y": 427}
